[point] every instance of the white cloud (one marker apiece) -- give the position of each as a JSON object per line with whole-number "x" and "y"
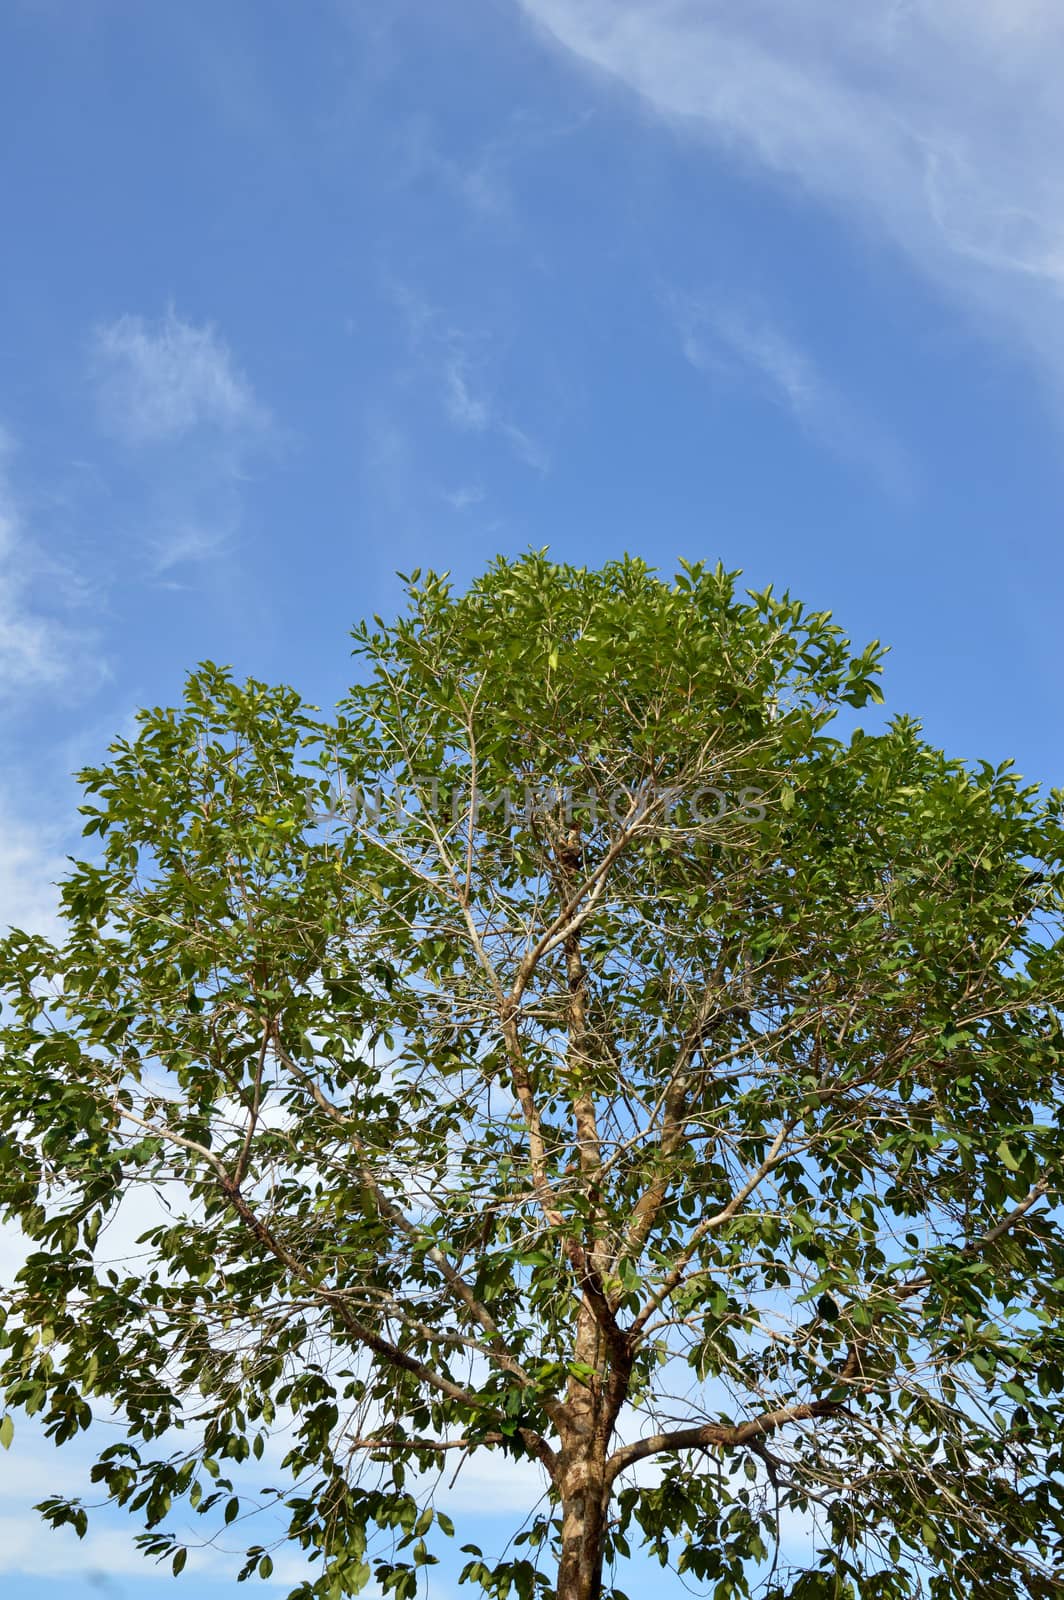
{"x": 172, "y": 393}
{"x": 787, "y": 371}
{"x": 466, "y": 495}
{"x": 453, "y": 357}
{"x": 30, "y": 865}
{"x": 182, "y": 542}
{"x": 160, "y": 381}
{"x": 466, "y": 410}
{"x": 28, "y": 1546}
{"x": 478, "y": 181}
{"x": 37, "y": 650}
{"x": 481, "y": 177}
{"x": 936, "y": 123}
{"x": 728, "y": 340}
{"x": 491, "y": 1484}
{"x": 475, "y": 413}
{"x": 525, "y": 447}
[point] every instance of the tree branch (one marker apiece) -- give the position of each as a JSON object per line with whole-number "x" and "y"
{"x": 708, "y": 1225}
{"x": 536, "y": 1445}
{"x": 253, "y": 1112}
{"x": 456, "y": 1284}
{"x": 388, "y": 1352}
{"x": 721, "y": 1435}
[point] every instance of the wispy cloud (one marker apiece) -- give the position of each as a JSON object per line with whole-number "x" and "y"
{"x": 731, "y": 342}
{"x": 786, "y": 371}
{"x": 525, "y": 447}
{"x": 465, "y": 409}
{"x": 904, "y": 115}
{"x": 458, "y": 362}
{"x": 466, "y": 495}
{"x": 478, "y": 181}
{"x": 181, "y": 542}
{"x": 30, "y": 865}
{"x": 38, "y": 649}
{"x": 481, "y": 178}
{"x": 172, "y": 393}
{"x": 108, "y": 1553}
{"x": 158, "y": 381}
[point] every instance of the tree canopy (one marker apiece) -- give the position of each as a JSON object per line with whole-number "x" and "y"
{"x": 573, "y": 1048}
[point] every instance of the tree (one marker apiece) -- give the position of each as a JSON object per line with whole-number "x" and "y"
{"x": 570, "y": 1050}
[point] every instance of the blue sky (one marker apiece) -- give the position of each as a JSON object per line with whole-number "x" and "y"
{"x": 294, "y": 296}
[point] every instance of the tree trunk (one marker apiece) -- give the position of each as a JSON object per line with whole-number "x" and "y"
{"x": 582, "y": 1474}
{"x": 583, "y": 1527}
